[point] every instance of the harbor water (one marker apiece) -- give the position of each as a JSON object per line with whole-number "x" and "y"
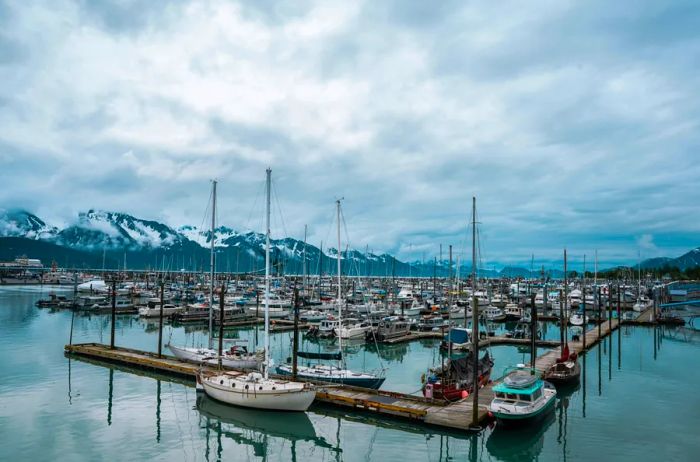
{"x": 636, "y": 400}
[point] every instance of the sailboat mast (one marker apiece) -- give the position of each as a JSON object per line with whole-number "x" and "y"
{"x": 340, "y": 303}
{"x": 474, "y": 243}
{"x": 563, "y": 307}
{"x": 211, "y": 263}
{"x": 267, "y": 272}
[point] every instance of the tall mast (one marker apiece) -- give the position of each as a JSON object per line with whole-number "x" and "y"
{"x": 303, "y": 269}
{"x": 267, "y": 272}
{"x": 474, "y": 244}
{"x": 211, "y": 262}
{"x": 340, "y": 303}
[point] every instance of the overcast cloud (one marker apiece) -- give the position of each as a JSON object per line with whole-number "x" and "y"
{"x": 574, "y": 123}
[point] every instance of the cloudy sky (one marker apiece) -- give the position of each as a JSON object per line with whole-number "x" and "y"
{"x": 574, "y": 123}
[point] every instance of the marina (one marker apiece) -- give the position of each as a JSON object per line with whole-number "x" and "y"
{"x": 349, "y": 231}
{"x": 401, "y": 411}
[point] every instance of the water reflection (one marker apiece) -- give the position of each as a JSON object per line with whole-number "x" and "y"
{"x": 525, "y": 444}
{"x": 253, "y": 427}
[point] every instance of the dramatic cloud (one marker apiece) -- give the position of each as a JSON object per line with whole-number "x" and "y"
{"x": 574, "y": 123}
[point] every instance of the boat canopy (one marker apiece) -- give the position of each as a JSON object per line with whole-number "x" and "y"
{"x": 337, "y": 356}
{"x": 458, "y": 335}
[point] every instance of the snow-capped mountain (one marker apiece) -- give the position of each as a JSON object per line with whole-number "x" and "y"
{"x": 98, "y": 229}
{"x": 20, "y": 223}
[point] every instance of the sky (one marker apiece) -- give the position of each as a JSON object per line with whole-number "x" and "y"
{"x": 574, "y": 123}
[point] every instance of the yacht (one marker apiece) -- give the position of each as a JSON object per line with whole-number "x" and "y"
{"x": 352, "y": 328}
{"x": 491, "y": 313}
{"x": 430, "y": 323}
{"x": 153, "y": 311}
{"x": 388, "y": 328}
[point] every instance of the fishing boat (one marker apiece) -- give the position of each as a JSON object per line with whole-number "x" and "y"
{"x": 513, "y": 312}
{"x": 256, "y": 390}
{"x": 522, "y": 398}
{"x": 455, "y": 380}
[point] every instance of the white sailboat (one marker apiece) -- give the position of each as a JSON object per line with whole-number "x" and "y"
{"x": 237, "y": 357}
{"x": 257, "y": 390}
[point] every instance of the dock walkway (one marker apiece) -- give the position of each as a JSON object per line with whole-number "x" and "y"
{"x": 456, "y": 416}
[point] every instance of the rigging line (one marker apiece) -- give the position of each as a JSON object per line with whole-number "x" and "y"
{"x": 261, "y": 187}
{"x": 279, "y": 209}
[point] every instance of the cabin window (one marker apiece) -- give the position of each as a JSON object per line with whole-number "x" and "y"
{"x": 511, "y": 396}
{"x": 536, "y": 394}
{"x": 524, "y": 397}
{"x": 500, "y": 395}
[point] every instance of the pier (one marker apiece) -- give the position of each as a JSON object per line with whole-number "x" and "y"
{"x": 455, "y": 416}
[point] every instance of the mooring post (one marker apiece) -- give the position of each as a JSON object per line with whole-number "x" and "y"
{"x": 610, "y": 302}
{"x": 619, "y": 305}
{"x": 295, "y": 340}
{"x": 600, "y": 313}
{"x": 114, "y": 311}
{"x": 160, "y": 319}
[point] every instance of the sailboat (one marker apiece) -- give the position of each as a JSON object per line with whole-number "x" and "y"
{"x": 330, "y": 373}
{"x": 237, "y": 357}
{"x": 254, "y": 389}
{"x": 455, "y": 379}
{"x": 566, "y": 370}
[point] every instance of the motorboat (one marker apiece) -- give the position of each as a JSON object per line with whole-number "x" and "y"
{"x": 491, "y": 313}
{"x": 388, "y": 328}
{"x": 432, "y": 323}
{"x": 522, "y": 398}
{"x": 353, "y": 329}
{"x": 577, "y": 318}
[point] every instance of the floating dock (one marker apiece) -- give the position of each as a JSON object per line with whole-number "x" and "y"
{"x": 454, "y": 416}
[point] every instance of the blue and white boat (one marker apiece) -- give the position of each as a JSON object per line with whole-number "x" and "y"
{"x": 522, "y": 398}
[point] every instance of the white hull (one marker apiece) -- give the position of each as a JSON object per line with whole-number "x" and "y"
{"x": 207, "y": 356}
{"x": 266, "y": 394}
{"x": 353, "y": 332}
{"x": 155, "y": 312}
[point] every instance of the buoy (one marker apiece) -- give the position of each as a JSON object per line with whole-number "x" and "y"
{"x": 465, "y": 394}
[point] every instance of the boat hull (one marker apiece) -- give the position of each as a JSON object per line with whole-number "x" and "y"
{"x": 364, "y": 382}
{"x": 285, "y": 401}
{"x": 519, "y": 420}
{"x": 198, "y": 355}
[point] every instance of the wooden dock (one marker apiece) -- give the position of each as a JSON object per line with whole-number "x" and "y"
{"x": 431, "y": 412}
{"x": 455, "y": 416}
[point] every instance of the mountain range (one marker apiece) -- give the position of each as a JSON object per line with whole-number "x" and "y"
{"x": 115, "y": 240}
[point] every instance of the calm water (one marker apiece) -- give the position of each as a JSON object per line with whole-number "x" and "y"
{"x": 636, "y": 403}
